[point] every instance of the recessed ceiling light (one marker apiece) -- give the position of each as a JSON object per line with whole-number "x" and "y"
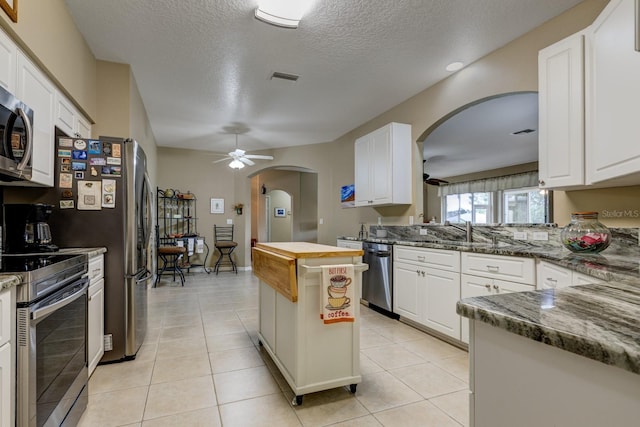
{"x": 454, "y": 66}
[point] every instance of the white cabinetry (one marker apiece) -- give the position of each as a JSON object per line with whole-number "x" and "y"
{"x": 614, "y": 89}
{"x": 8, "y": 51}
{"x": 426, "y": 287}
{"x": 35, "y": 90}
{"x": 351, "y": 244}
{"x": 7, "y": 356}
{"x": 561, "y": 113}
{"x": 484, "y": 274}
{"x": 383, "y": 166}
{"x": 69, "y": 120}
{"x": 95, "y": 341}
{"x": 551, "y": 276}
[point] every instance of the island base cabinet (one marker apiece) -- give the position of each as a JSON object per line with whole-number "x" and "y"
{"x": 516, "y": 381}
{"x": 312, "y": 356}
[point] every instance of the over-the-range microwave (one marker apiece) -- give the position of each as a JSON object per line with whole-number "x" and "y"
{"x": 16, "y": 138}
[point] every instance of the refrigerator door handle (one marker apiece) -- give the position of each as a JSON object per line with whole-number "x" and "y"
{"x": 147, "y": 276}
{"x": 149, "y": 204}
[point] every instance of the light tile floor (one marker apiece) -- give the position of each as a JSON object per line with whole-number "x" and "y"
{"x": 201, "y": 365}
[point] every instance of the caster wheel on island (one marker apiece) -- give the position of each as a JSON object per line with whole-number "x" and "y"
{"x": 352, "y": 388}
{"x": 297, "y": 401}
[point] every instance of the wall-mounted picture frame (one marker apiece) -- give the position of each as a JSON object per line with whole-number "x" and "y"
{"x": 11, "y": 8}
{"x": 348, "y": 196}
{"x": 217, "y": 206}
{"x": 279, "y": 212}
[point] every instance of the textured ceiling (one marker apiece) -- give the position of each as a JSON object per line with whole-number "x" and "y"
{"x": 203, "y": 66}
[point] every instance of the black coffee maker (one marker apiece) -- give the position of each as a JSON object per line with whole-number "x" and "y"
{"x": 26, "y": 228}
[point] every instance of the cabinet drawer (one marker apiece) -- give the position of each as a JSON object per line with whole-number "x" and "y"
{"x": 434, "y": 258}
{"x": 552, "y": 276}
{"x": 96, "y": 268}
{"x": 585, "y": 279}
{"x": 509, "y": 268}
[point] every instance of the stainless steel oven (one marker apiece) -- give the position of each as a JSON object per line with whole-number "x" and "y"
{"x": 16, "y": 138}
{"x": 51, "y": 339}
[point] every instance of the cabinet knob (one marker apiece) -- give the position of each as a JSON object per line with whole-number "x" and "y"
{"x": 497, "y": 288}
{"x": 541, "y": 182}
{"x": 488, "y": 286}
{"x": 422, "y": 273}
{"x": 418, "y": 272}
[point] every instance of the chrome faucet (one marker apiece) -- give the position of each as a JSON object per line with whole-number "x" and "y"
{"x": 469, "y": 231}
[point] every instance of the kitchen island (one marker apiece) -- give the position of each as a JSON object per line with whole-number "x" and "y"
{"x": 311, "y": 354}
{"x": 574, "y": 352}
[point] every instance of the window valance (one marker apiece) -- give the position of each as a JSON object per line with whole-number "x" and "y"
{"x": 507, "y": 182}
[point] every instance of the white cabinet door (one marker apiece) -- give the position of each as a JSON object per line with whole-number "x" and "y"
{"x": 613, "y": 150}
{"x": 363, "y": 165}
{"x": 472, "y": 286}
{"x": 7, "y": 392}
{"x": 561, "y": 113}
{"x": 83, "y": 127}
{"x": 442, "y": 294}
{"x": 8, "y": 53}
{"x": 408, "y": 291}
{"x": 65, "y": 115}
{"x": 585, "y": 279}
{"x": 95, "y": 333}
{"x": 381, "y": 167}
{"x": 35, "y": 90}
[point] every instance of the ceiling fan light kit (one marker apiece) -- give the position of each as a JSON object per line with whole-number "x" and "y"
{"x": 239, "y": 158}
{"x": 282, "y": 13}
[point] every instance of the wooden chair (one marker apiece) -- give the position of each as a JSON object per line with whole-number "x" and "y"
{"x": 170, "y": 254}
{"x": 223, "y": 242}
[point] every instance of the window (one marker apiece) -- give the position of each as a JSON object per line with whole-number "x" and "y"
{"x": 510, "y": 199}
{"x": 525, "y": 205}
{"x": 474, "y": 207}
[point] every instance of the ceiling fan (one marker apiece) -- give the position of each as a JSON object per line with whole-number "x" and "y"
{"x": 239, "y": 157}
{"x": 432, "y": 181}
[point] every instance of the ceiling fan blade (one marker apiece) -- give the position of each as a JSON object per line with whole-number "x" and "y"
{"x": 246, "y": 161}
{"x": 237, "y": 152}
{"x": 222, "y": 160}
{"x": 258, "y": 156}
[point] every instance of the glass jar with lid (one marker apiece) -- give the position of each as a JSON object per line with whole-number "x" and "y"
{"x": 585, "y": 234}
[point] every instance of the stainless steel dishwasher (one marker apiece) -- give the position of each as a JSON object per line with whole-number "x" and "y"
{"x": 377, "y": 286}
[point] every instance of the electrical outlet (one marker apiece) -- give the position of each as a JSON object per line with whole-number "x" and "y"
{"x": 423, "y": 231}
{"x": 520, "y": 235}
{"x": 410, "y": 219}
{"x": 540, "y": 235}
{"x": 229, "y": 221}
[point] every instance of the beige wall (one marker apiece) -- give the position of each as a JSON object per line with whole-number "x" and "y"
{"x": 46, "y": 31}
{"x": 281, "y": 227}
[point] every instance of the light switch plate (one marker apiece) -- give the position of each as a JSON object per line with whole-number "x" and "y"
{"x": 423, "y": 231}
{"x": 229, "y": 221}
{"x": 520, "y": 235}
{"x": 540, "y": 235}
{"x": 321, "y": 221}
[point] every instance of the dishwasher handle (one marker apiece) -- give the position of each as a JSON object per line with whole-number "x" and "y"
{"x": 382, "y": 254}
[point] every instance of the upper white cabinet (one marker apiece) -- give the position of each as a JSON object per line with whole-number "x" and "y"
{"x": 383, "y": 166}
{"x": 8, "y": 51}
{"x": 70, "y": 120}
{"x": 561, "y": 113}
{"x": 613, "y": 86}
{"x": 35, "y": 90}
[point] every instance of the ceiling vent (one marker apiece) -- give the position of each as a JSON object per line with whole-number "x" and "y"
{"x": 284, "y": 76}
{"x": 523, "y": 132}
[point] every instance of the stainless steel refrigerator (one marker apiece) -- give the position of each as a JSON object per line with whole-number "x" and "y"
{"x": 102, "y": 197}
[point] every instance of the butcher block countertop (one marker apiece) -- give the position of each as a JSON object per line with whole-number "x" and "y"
{"x": 308, "y": 250}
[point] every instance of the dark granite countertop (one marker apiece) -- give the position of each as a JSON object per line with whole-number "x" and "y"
{"x": 601, "y": 322}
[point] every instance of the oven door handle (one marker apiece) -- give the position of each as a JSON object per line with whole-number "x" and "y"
{"x": 44, "y": 311}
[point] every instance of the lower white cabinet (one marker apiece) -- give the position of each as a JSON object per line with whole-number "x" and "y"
{"x": 95, "y": 333}
{"x": 7, "y": 357}
{"x": 426, "y": 288}
{"x": 486, "y": 274}
{"x": 351, "y": 244}
{"x": 551, "y": 276}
